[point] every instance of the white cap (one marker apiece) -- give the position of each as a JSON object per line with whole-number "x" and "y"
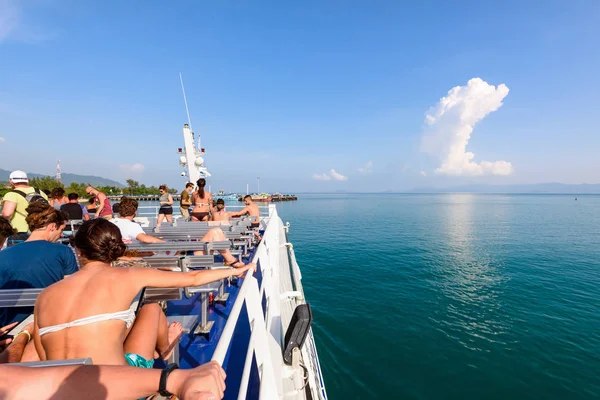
{"x": 18, "y": 177}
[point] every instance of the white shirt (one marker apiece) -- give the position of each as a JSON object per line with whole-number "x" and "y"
{"x": 129, "y": 229}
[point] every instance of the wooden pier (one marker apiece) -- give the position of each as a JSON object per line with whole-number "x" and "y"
{"x": 176, "y": 197}
{"x": 143, "y": 197}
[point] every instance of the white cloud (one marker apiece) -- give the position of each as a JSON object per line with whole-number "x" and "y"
{"x": 367, "y": 168}
{"x": 321, "y": 177}
{"x": 16, "y": 24}
{"x": 333, "y": 174}
{"x": 423, "y": 173}
{"x": 337, "y": 176}
{"x": 450, "y": 124}
{"x": 10, "y": 18}
{"x": 2, "y": 140}
{"x": 132, "y": 169}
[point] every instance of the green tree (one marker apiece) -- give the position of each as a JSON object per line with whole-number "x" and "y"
{"x": 133, "y": 186}
{"x": 45, "y": 183}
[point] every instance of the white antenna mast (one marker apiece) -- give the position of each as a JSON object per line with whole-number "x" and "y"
{"x": 190, "y": 155}
{"x": 58, "y": 177}
{"x": 186, "y": 107}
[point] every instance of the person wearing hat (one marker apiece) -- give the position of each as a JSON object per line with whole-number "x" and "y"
{"x": 16, "y": 201}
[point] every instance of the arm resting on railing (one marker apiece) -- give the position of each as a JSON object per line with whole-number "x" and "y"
{"x": 108, "y": 382}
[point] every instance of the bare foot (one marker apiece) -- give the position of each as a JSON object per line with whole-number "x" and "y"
{"x": 174, "y": 332}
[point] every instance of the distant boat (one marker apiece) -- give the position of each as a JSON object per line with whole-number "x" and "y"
{"x": 225, "y": 196}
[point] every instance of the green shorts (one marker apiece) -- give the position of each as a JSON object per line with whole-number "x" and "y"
{"x": 135, "y": 360}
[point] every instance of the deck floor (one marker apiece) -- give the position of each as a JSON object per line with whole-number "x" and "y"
{"x": 195, "y": 350}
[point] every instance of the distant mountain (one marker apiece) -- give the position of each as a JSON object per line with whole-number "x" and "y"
{"x": 554, "y": 188}
{"x": 68, "y": 178}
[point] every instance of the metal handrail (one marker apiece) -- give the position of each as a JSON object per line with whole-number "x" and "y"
{"x": 258, "y": 345}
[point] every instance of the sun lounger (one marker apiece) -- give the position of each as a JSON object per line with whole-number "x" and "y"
{"x": 181, "y": 246}
{"x": 18, "y": 297}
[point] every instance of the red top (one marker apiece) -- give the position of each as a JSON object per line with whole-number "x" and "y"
{"x": 107, "y": 209}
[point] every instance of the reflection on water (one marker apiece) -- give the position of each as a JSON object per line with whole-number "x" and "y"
{"x": 470, "y": 278}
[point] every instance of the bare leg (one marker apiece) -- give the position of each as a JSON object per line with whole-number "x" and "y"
{"x": 149, "y": 332}
{"x": 217, "y": 235}
{"x": 160, "y": 219}
{"x": 214, "y": 235}
{"x": 169, "y": 218}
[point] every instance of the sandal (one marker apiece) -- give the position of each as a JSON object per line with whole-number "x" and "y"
{"x": 233, "y": 263}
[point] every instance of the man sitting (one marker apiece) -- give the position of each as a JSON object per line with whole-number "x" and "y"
{"x": 75, "y": 210}
{"x": 250, "y": 209}
{"x": 131, "y": 231}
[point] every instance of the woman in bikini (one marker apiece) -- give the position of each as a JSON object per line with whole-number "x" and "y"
{"x": 88, "y": 314}
{"x": 202, "y": 201}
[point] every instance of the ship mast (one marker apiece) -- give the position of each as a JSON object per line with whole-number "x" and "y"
{"x": 191, "y": 156}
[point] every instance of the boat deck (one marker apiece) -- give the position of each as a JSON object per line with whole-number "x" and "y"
{"x": 195, "y": 350}
{"x": 248, "y": 332}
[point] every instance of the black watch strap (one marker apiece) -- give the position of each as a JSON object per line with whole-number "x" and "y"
{"x": 162, "y": 386}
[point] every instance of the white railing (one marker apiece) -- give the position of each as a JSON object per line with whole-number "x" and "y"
{"x": 251, "y": 295}
{"x": 267, "y": 336}
{"x": 309, "y": 350}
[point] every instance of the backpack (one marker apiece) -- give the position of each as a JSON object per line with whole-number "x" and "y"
{"x": 34, "y": 197}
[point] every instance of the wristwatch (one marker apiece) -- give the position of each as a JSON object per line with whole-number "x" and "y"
{"x": 162, "y": 387}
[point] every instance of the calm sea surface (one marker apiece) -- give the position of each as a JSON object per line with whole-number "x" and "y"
{"x": 452, "y": 296}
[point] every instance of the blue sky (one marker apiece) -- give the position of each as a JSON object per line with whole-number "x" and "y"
{"x": 290, "y": 91}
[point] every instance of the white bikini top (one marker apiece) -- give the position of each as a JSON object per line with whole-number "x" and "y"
{"x": 127, "y": 316}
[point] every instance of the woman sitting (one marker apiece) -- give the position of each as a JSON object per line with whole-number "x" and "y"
{"x": 88, "y": 314}
{"x": 39, "y": 261}
{"x": 58, "y": 198}
{"x": 219, "y": 214}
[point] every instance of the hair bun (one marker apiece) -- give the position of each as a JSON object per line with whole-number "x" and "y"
{"x": 115, "y": 249}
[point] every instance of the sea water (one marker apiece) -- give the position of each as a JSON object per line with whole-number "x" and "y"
{"x": 454, "y": 295}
